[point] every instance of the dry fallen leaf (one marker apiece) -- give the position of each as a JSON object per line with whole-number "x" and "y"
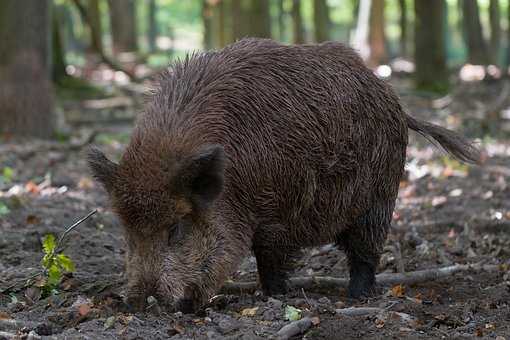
{"x": 315, "y": 320}
{"x": 249, "y": 311}
{"x": 84, "y": 309}
{"x": 398, "y": 291}
{"x": 4, "y": 316}
{"x": 179, "y": 328}
{"x": 32, "y": 219}
{"x": 31, "y": 187}
{"x": 85, "y": 183}
{"x": 379, "y": 323}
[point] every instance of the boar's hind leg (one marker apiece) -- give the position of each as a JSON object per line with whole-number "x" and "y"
{"x": 363, "y": 243}
{"x": 273, "y": 264}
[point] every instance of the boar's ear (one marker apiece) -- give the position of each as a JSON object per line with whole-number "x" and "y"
{"x": 102, "y": 168}
{"x": 203, "y": 174}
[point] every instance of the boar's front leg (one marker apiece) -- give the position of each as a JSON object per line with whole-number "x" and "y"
{"x": 274, "y": 261}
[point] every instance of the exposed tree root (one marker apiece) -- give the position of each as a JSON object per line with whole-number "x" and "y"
{"x": 327, "y": 282}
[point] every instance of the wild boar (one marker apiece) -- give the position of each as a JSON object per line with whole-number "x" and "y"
{"x": 260, "y": 147}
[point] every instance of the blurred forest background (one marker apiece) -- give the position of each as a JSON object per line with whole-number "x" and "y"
{"x": 55, "y": 50}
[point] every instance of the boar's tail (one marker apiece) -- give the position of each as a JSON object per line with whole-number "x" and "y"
{"x": 453, "y": 143}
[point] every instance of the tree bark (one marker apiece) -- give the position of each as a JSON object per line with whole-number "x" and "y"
{"x": 261, "y": 19}
{"x": 237, "y": 28}
{"x": 152, "y": 31}
{"x": 207, "y": 15}
{"x": 376, "y": 37}
{"x": 26, "y": 93}
{"x": 96, "y": 29}
{"x": 281, "y": 20}
{"x": 403, "y": 27}
{"x": 495, "y": 23}
{"x": 360, "y": 38}
{"x": 476, "y": 45}
{"x": 123, "y": 22}
{"x": 58, "y": 51}
{"x": 321, "y": 20}
{"x": 430, "y": 48}
{"x": 297, "y": 23}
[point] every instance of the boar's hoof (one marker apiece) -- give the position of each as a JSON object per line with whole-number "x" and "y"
{"x": 134, "y": 304}
{"x": 275, "y": 287}
{"x": 185, "y": 305}
{"x": 359, "y": 290}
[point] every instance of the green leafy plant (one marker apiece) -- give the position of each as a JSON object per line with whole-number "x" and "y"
{"x": 55, "y": 264}
{"x": 7, "y": 175}
{"x": 4, "y": 209}
{"x": 292, "y": 313}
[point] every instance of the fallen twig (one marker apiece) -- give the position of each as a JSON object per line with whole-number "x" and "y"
{"x": 358, "y": 311}
{"x": 71, "y": 228}
{"x": 294, "y": 328}
{"x": 327, "y": 282}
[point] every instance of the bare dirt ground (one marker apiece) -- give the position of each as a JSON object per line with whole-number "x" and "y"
{"x": 446, "y": 214}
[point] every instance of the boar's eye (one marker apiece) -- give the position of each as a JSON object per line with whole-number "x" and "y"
{"x": 176, "y": 233}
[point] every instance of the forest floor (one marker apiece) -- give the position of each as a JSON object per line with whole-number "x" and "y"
{"x": 446, "y": 214}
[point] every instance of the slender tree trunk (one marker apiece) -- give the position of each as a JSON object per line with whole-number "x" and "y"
{"x": 222, "y": 26}
{"x": 96, "y": 29}
{"x": 261, "y": 19}
{"x": 281, "y": 20}
{"x": 403, "y": 27}
{"x": 495, "y": 22}
{"x": 321, "y": 20}
{"x": 245, "y": 25}
{"x": 59, "y": 60}
{"x": 360, "y": 38}
{"x": 123, "y": 21}
{"x": 152, "y": 31}
{"x": 476, "y": 45}
{"x": 237, "y": 26}
{"x": 207, "y": 18}
{"x": 297, "y": 23}
{"x": 377, "y": 39}
{"x": 430, "y": 48}
{"x": 26, "y": 93}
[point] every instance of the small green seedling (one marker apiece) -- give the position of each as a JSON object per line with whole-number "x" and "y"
{"x": 292, "y": 313}
{"x": 7, "y": 174}
{"x": 4, "y": 209}
{"x": 54, "y": 262}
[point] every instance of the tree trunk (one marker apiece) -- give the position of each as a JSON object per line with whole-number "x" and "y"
{"x": 123, "y": 22}
{"x": 58, "y": 51}
{"x": 26, "y": 93}
{"x": 403, "y": 27}
{"x": 96, "y": 29}
{"x": 297, "y": 22}
{"x": 476, "y": 45}
{"x": 207, "y": 18}
{"x": 495, "y": 22}
{"x": 261, "y": 19}
{"x": 237, "y": 25}
{"x": 152, "y": 31}
{"x": 281, "y": 20}
{"x": 222, "y": 34}
{"x": 430, "y": 48}
{"x": 360, "y": 38}
{"x": 321, "y": 20}
{"x": 376, "y": 37}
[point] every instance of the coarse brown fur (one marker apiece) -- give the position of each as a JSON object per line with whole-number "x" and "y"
{"x": 263, "y": 147}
